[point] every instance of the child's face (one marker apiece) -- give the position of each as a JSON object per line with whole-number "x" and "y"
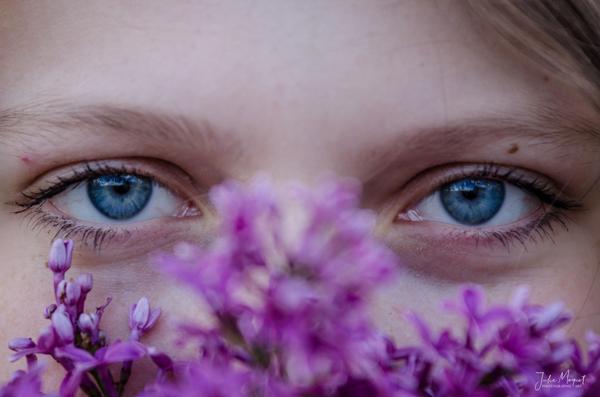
{"x": 192, "y": 93}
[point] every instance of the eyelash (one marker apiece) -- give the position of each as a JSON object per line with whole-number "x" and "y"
{"x": 95, "y": 237}
{"x": 32, "y": 202}
{"x": 543, "y": 189}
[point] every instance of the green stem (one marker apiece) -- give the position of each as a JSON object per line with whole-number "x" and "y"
{"x": 90, "y": 388}
{"x": 124, "y": 377}
{"x": 98, "y": 382}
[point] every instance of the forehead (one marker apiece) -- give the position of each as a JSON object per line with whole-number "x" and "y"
{"x": 286, "y": 72}
{"x": 278, "y": 50}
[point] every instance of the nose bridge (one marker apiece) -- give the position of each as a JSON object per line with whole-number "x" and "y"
{"x": 287, "y": 132}
{"x": 301, "y": 132}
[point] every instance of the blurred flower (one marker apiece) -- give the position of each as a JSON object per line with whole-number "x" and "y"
{"x": 24, "y": 384}
{"x": 287, "y": 283}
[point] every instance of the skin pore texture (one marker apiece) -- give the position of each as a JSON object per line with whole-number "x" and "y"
{"x": 402, "y": 95}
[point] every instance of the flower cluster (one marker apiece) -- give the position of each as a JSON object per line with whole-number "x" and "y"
{"x": 287, "y": 288}
{"x": 287, "y": 284}
{"x": 74, "y": 338}
{"x": 518, "y": 349}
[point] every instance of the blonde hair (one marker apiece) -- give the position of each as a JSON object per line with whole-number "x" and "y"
{"x": 561, "y": 36}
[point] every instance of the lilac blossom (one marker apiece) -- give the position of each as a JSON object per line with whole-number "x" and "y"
{"x": 287, "y": 281}
{"x": 74, "y": 339}
{"x": 24, "y": 384}
{"x": 142, "y": 318}
{"x": 288, "y": 286}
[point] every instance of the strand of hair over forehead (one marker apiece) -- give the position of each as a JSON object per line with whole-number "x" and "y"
{"x": 561, "y": 36}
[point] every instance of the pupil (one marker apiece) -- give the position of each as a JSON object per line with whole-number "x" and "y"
{"x": 122, "y": 189}
{"x": 471, "y": 194}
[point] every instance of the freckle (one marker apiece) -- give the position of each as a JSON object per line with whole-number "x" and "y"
{"x": 514, "y": 148}
{"x": 546, "y": 78}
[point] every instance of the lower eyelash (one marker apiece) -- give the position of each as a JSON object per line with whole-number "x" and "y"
{"x": 89, "y": 236}
{"x": 535, "y": 231}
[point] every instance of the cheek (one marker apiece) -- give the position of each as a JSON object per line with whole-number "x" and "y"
{"x": 25, "y": 286}
{"x": 564, "y": 273}
{"x": 410, "y": 292}
{"x": 26, "y": 290}
{"x": 126, "y": 283}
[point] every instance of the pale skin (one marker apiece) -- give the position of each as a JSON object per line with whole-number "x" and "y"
{"x": 369, "y": 90}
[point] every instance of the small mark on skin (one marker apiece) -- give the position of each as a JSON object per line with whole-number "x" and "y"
{"x": 546, "y": 78}
{"x": 26, "y": 159}
{"x": 514, "y": 148}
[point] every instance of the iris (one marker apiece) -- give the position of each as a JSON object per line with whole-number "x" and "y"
{"x": 472, "y": 201}
{"x": 119, "y": 197}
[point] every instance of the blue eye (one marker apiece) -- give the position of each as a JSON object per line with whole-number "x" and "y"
{"x": 472, "y": 201}
{"x": 119, "y": 197}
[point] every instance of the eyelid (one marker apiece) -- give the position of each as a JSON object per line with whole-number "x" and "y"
{"x": 165, "y": 174}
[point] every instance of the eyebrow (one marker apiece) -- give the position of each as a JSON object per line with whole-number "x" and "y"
{"x": 540, "y": 124}
{"x": 151, "y": 126}
{"x": 545, "y": 124}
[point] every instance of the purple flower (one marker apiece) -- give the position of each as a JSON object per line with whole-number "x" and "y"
{"x": 86, "y": 282}
{"x": 74, "y": 338}
{"x": 24, "y": 384}
{"x": 60, "y": 256}
{"x": 141, "y": 318}
{"x": 287, "y": 283}
{"x": 72, "y": 293}
{"x": 163, "y": 362}
{"x": 83, "y": 362}
{"x": 202, "y": 379}
{"x": 50, "y": 309}
{"x": 89, "y": 323}
{"x": 24, "y": 347}
{"x": 63, "y": 327}
{"x": 19, "y": 344}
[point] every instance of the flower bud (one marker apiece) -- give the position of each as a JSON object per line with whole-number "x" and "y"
{"x": 60, "y": 256}
{"x": 62, "y": 326}
{"x": 141, "y": 318}
{"x": 72, "y": 293}
{"x": 19, "y": 344}
{"x": 85, "y": 281}
{"x": 61, "y": 290}
{"x": 140, "y": 313}
{"x": 88, "y": 322}
{"x": 49, "y": 310}
{"x": 47, "y": 340}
